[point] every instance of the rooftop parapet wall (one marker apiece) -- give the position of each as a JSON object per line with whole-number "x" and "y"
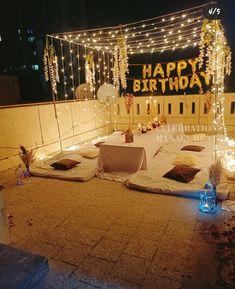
{"x": 35, "y": 126}
{"x": 187, "y": 109}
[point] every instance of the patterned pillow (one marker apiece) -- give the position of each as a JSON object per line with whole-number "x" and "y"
{"x": 180, "y": 173}
{"x": 185, "y": 159}
{"x": 193, "y": 148}
{"x": 89, "y": 154}
{"x": 64, "y": 164}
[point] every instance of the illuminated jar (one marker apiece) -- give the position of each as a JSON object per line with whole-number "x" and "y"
{"x": 207, "y": 203}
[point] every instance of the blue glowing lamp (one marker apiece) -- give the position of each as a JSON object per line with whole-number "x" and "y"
{"x": 207, "y": 203}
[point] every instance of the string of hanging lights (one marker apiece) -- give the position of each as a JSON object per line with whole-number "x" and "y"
{"x": 146, "y": 36}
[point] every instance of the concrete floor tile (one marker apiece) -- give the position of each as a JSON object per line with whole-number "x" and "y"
{"x": 128, "y": 221}
{"x": 73, "y": 253}
{"x": 94, "y": 271}
{"x": 175, "y": 245}
{"x": 120, "y": 232}
{"x": 159, "y": 282}
{"x": 169, "y": 265}
{"x": 90, "y": 236}
{"x": 131, "y": 269}
{"x": 109, "y": 249}
{"x": 141, "y": 248}
{"x": 150, "y": 231}
{"x": 182, "y": 229}
{"x": 75, "y": 229}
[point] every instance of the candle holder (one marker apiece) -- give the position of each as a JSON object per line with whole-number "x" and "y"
{"x": 129, "y": 136}
{"x": 207, "y": 203}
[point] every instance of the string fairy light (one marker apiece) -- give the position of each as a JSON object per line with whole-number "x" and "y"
{"x": 71, "y": 69}
{"x": 178, "y": 30}
{"x": 63, "y": 69}
{"x": 78, "y": 64}
{"x": 149, "y": 32}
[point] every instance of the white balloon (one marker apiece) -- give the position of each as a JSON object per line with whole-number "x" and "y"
{"x": 84, "y": 91}
{"x": 107, "y": 93}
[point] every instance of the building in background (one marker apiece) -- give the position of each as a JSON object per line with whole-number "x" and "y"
{"x": 23, "y": 26}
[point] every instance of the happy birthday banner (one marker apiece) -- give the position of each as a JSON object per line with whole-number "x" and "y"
{"x": 171, "y": 76}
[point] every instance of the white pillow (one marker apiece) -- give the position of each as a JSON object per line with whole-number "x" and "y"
{"x": 185, "y": 159}
{"x": 89, "y": 154}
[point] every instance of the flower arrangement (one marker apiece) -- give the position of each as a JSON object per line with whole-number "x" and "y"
{"x": 128, "y": 99}
{"x": 215, "y": 173}
{"x": 116, "y": 70}
{"x": 27, "y": 157}
{"x": 120, "y": 69}
{"x": 208, "y": 100}
{"x": 51, "y": 71}
{"x": 123, "y": 62}
{"x": 90, "y": 70}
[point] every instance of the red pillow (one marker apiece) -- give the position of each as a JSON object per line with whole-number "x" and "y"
{"x": 182, "y": 173}
{"x": 193, "y": 148}
{"x": 64, "y": 164}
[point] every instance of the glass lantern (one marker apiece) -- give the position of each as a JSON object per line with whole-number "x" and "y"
{"x": 207, "y": 203}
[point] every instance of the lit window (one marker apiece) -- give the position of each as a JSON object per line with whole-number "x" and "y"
{"x": 23, "y": 67}
{"x": 181, "y": 107}
{"x": 193, "y": 107}
{"x": 232, "y": 108}
{"x": 35, "y": 66}
{"x": 137, "y": 108}
{"x": 0, "y": 38}
{"x": 18, "y": 31}
{"x": 169, "y": 108}
{"x": 31, "y": 39}
{"x": 148, "y": 108}
{"x": 158, "y": 108}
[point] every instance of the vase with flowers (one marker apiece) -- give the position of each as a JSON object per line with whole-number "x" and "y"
{"x": 208, "y": 196}
{"x": 128, "y": 99}
{"x": 27, "y": 157}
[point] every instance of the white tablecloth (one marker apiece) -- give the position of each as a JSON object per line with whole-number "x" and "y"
{"x": 117, "y": 156}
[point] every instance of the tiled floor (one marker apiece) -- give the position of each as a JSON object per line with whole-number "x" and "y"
{"x": 99, "y": 234}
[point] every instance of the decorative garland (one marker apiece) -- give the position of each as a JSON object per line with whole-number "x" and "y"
{"x": 116, "y": 70}
{"x": 51, "y": 71}
{"x": 214, "y": 50}
{"x": 90, "y": 70}
{"x": 120, "y": 69}
{"x": 215, "y": 54}
{"x": 208, "y": 100}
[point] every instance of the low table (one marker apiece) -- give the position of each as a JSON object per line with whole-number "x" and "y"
{"x": 117, "y": 156}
